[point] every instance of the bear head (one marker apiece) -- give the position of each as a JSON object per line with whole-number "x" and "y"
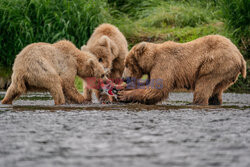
{"x": 105, "y": 51}
{"x": 139, "y": 61}
{"x": 90, "y": 67}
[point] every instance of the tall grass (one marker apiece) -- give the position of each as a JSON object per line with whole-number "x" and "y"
{"x": 174, "y": 14}
{"x": 183, "y": 20}
{"x": 178, "y": 20}
{"x": 237, "y": 17}
{"x": 26, "y": 21}
{"x": 133, "y": 8}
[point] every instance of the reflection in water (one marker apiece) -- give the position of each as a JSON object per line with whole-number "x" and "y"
{"x": 34, "y": 132}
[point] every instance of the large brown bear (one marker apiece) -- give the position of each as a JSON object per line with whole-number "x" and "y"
{"x": 208, "y": 65}
{"x": 110, "y": 47}
{"x": 52, "y": 67}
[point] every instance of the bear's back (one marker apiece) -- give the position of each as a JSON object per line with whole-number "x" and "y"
{"x": 110, "y": 31}
{"x": 48, "y": 54}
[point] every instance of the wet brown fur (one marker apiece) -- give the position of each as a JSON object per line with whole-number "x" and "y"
{"x": 52, "y": 67}
{"x": 109, "y": 44}
{"x": 207, "y": 65}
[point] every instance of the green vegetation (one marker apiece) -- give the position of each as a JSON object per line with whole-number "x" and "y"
{"x": 180, "y": 21}
{"x": 79, "y": 84}
{"x": 26, "y": 21}
{"x": 237, "y": 18}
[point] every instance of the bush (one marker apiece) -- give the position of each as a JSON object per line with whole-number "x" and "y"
{"x": 237, "y": 17}
{"x": 27, "y": 21}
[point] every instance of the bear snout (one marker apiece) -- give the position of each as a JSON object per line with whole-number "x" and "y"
{"x": 106, "y": 70}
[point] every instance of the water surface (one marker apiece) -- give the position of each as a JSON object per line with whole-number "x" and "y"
{"x": 34, "y": 132}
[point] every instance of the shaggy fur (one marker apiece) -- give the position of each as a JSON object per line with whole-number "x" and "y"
{"x": 208, "y": 65}
{"x": 110, "y": 47}
{"x": 52, "y": 67}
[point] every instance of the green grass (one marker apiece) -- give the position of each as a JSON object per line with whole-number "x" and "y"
{"x": 26, "y": 21}
{"x": 5, "y": 72}
{"x": 181, "y": 21}
{"x": 242, "y": 85}
{"x": 79, "y": 84}
{"x": 236, "y": 14}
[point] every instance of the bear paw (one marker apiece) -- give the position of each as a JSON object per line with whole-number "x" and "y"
{"x": 125, "y": 96}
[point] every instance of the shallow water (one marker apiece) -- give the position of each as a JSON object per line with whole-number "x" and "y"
{"x": 34, "y": 132}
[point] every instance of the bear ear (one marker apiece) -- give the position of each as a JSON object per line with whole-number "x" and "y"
{"x": 114, "y": 49}
{"x": 84, "y": 48}
{"x": 104, "y": 41}
{"x": 91, "y": 62}
{"x": 141, "y": 48}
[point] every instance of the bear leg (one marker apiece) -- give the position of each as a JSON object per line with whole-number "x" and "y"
{"x": 102, "y": 97}
{"x": 216, "y": 98}
{"x": 72, "y": 93}
{"x": 203, "y": 90}
{"x": 11, "y": 94}
{"x": 144, "y": 96}
{"x": 87, "y": 92}
{"x": 54, "y": 86}
{"x": 57, "y": 94}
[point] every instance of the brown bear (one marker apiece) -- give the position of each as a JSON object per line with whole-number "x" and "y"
{"x": 110, "y": 47}
{"x": 207, "y": 65}
{"x": 53, "y": 68}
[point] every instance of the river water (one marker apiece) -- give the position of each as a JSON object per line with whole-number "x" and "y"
{"x": 34, "y": 133}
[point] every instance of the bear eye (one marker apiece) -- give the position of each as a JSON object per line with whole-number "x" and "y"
{"x": 102, "y": 76}
{"x": 100, "y": 60}
{"x": 126, "y": 65}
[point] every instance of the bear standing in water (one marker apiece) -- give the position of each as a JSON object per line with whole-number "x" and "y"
{"x": 110, "y": 47}
{"x": 207, "y": 65}
{"x": 53, "y": 68}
